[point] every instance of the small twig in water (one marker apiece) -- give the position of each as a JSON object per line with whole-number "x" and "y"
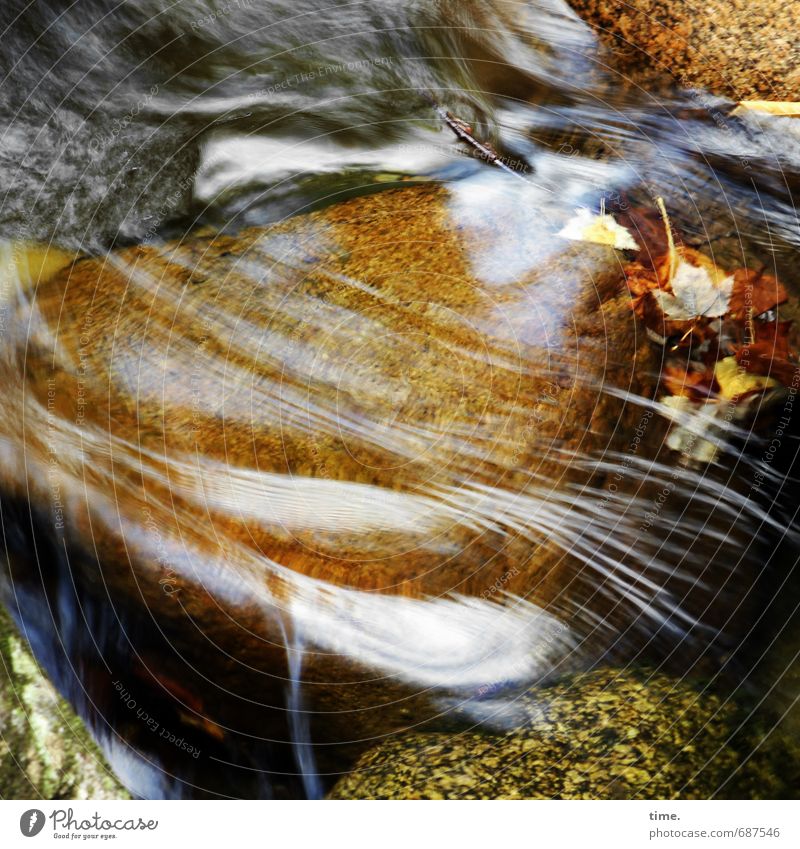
{"x": 464, "y": 133}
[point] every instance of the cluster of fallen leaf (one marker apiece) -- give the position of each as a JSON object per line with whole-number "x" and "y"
{"x": 726, "y": 353}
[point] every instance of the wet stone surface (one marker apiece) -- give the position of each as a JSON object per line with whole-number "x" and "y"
{"x": 625, "y": 734}
{"x": 45, "y": 751}
{"x": 737, "y": 49}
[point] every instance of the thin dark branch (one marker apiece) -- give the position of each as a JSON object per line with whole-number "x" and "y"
{"x": 464, "y": 133}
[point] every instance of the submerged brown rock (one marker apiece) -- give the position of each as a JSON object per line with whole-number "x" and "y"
{"x": 351, "y": 461}
{"x": 738, "y": 49}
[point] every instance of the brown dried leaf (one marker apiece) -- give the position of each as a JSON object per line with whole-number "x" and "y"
{"x": 697, "y": 385}
{"x": 648, "y": 229}
{"x": 641, "y": 281}
{"x": 754, "y": 293}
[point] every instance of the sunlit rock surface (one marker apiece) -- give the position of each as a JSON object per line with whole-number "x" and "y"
{"x": 615, "y": 734}
{"x": 45, "y": 752}
{"x": 740, "y": 50}
{"x": 364, "y": 466}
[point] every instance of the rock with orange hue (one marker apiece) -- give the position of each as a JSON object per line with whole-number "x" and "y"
{"x": 737, "y": 49}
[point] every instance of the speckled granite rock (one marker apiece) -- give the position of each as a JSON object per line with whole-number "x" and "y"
{"x": 45, "y": 752}
{"x": 606, "y": 734}
{"x": 736, "y": 48}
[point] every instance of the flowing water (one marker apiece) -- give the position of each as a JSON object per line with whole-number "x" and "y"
{"x": 323, "y": 470}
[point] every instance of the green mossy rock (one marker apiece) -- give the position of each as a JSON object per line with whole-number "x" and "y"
{"x": 45, "y": 752}
{"x": 606, "y": 734}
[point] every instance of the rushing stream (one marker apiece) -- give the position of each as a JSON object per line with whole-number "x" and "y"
{"x": 257, "y": 523}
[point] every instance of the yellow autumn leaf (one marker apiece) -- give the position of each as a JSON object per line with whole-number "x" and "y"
{"x": 786, "y": 108}
{"x": 733, "y": 380}
{"x": 31, "y": 263}
{"x": 699, "y": 286}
